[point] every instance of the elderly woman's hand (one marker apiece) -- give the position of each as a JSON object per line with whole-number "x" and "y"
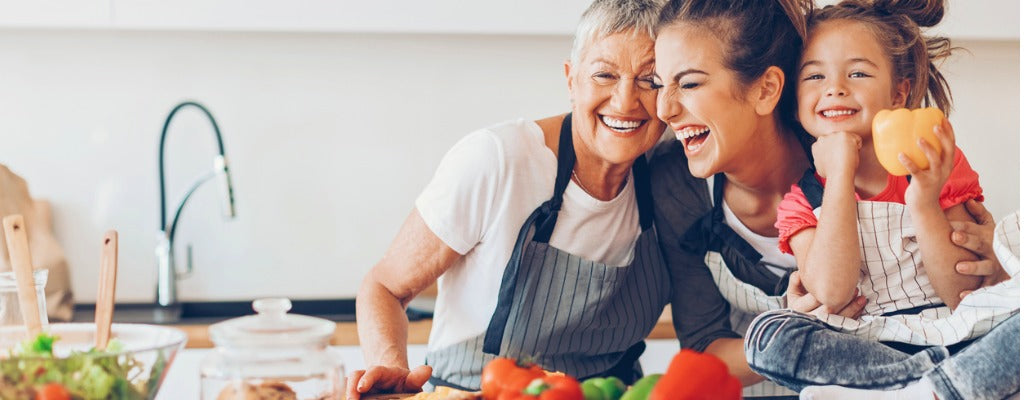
{"x": 798, "y": 299}
{"x": 977, "y": 237}
{"x": 380, "y": 379}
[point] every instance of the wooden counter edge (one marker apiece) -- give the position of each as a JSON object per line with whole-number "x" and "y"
{"x": 345, "y": 333}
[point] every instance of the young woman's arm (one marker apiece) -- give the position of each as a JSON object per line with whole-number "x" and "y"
{"x": 976, "y": 236}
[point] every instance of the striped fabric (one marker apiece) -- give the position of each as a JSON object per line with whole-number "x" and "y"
{"x": 1006, "y": 243}
{"x": 569, "y": 314}
{"x": 893, "y": 279}
{"x": 747, "y": 302}
{"x": 561, "y": 311}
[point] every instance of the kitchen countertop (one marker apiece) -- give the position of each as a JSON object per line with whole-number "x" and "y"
{"x": 182, "y": 381}
{"x": 345, "y": 333}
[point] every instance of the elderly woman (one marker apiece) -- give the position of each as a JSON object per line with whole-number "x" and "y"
{"x": 538, "y": 232}
{"x": 727, "y": 69}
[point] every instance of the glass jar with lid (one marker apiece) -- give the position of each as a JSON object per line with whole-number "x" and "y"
{"x": 272, "y": 355}
{"x": 12, "y": 322}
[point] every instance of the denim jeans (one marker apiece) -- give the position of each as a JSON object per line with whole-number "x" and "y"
{"x": 796, "y": 350}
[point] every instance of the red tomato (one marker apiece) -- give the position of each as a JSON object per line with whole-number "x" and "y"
{"x": 503, "y": 379}
{"x": 562, "y": 388}
{"x": 53, "y": 391}
{"x": 504, "y": 375}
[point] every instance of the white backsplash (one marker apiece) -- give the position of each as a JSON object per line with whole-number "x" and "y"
{"x": 329, "y": 138}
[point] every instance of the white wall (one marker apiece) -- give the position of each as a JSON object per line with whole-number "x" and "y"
{"x": 329, "y": 136}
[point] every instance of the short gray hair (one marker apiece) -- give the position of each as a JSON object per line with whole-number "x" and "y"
{"x": 608, "y": 17}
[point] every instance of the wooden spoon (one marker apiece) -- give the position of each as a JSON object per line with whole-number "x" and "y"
{"x": 21, "y": 261}
{"x": 105, "y": 293}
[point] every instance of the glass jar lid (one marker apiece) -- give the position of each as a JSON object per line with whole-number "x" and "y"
{"x": 272, "y": 327}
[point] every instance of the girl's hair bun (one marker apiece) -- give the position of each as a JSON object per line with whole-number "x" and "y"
{"x": 925, "y": 13}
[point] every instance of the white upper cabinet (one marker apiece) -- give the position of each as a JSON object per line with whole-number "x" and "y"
{"x": 54, "y": 13}
{"x": 965, "y": 19}
{"x": 981, "y": 19}
{"x": 398, "y": 16}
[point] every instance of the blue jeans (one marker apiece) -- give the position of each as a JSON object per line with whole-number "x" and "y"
{"x": 796, "y": 350}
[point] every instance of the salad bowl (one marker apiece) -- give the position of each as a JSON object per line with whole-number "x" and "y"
{"x": 61, "y": 363}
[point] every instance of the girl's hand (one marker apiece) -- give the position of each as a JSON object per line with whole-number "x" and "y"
{"x": 798, "y": 299}
{"x": 925, "y": 185}
{"x": 836, "y": 154}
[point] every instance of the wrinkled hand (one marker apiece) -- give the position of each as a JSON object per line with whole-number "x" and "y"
{"x": 800, "y": 300}
{"x": 977, "y": 237}
{"x": 926, "y": 184}
{"x": 380, "y": 379}
{"x": 836, "y": 153}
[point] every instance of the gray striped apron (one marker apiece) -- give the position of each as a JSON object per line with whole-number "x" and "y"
{"x": 902, "y": 306}
{"x": 738, "y": 272}
{"x": 561, "y": 311}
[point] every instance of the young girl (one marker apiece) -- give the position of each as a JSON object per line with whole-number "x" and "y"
{"x": 853, "y": 227}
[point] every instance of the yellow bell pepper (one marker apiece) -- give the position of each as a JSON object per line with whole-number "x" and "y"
{"x": 897, "y": 131}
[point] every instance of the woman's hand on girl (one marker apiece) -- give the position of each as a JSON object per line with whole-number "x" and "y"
{"x": 836, "y": 154}
{"x": 926, "y": 184}
{"x": 977, "y": 237}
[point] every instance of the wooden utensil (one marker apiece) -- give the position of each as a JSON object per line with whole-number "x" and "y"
{"x": 105, "y": 293}
{"x": 21, "y": 262}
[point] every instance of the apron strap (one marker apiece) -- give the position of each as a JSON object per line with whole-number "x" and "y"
{"x": 506, "y": 293}
{"x": 642, "y": 187}
{"x": 625, "y": 369}
{"x": 566, "y": 161}
{"x": 711, "y": 233}
{"x": 545, "y": 222}
{"x": 544, "y": 218}
{"x": 812, "y": 188}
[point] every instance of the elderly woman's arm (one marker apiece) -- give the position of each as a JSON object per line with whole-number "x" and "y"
{"x": 416, "y": 258}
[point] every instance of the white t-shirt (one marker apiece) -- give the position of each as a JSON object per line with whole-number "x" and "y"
{"x": 482, "y": 193}
{"x": 774, "y": 259}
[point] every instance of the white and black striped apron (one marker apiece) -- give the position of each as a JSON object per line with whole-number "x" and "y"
{"x": 902, "y": 306}
{"x": 561, "y": 311}
{"x": 713, "y": 235}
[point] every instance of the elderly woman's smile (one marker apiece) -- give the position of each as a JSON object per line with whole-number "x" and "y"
{"x": 614, "y": 99}
{"x": 625, "y": 126}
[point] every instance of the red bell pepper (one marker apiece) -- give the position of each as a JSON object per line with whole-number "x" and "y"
{"x": 693, "y": 375}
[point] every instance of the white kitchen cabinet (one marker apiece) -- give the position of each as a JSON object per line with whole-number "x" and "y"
{"x": 975, "y": 19}
{"x": 965, "y": 19}
{"x": 398, "y": 16}
{"x": 981, "y": 19}
{"x": 55, "y": 13}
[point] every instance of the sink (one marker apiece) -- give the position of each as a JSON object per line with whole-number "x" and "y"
{"x": 199, "y": 313}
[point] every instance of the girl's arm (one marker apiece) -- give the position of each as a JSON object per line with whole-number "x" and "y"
{"x": 829, "y": 256}
{"x": 939, "y": 255}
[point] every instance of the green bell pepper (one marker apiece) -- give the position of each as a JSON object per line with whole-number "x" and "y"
{"x": 642, "y": 388}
